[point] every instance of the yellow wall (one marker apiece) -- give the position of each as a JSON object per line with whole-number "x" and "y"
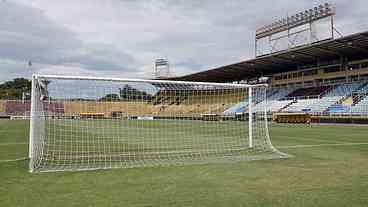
{"x": 326, "y": 76}
{"x": 194, "y": 109}
{"x": 191, "y": 105}
{"x": 219, "y": 97}
{"x": 132, "y": 108}
{"x": 194, "y": 104}
{"x": 201, "y": 104}
{"x": 348, "y": 101}
{"x": 2, "y": 106}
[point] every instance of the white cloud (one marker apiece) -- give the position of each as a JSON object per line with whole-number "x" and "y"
{"x": 122, "y": 38}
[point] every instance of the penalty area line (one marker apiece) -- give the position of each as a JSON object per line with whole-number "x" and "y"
{"x": 13, "y": 143}
{"x": 14, "y": 160}
{"x": 322, "y": 145}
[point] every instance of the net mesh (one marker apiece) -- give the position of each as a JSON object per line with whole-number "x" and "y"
{"x": 82, "y": 124}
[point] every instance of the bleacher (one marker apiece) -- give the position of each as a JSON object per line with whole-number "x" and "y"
{"x": 338, "y": 93}
{"x": 301, "y": 105}
{"x": 363, "y": 89}
{"x": 361, "y": 106}
{"x": 274, "y": 102}
{"x": 238, "y": 108}
{"x": 280, "y": 93}
{"x": 338, "y": 109}
{"x": 322, "y": 97}
{"x": 309, "y": 92}
{"x": 343, "y": 90}
{"x": 272, "y": 105}
{"x": 310, "y": 99}
{"x": 344, "y": 98}
{"x": 273, "y": 94}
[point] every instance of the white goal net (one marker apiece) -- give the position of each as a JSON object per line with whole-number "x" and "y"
{"x": 84, "y": 123}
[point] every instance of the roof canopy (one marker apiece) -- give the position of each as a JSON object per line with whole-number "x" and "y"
{"x": 352, "y": 46}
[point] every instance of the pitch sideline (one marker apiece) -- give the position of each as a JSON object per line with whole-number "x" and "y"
{"x": 322, "y": 145}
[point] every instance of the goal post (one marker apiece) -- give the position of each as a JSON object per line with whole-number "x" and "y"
{"x": 86, "y": 123}
{"x": 250, "y": 118}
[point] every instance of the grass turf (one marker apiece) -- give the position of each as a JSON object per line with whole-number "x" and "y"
{"x": 327, "y": 170}
{"x": 85, "y": 144}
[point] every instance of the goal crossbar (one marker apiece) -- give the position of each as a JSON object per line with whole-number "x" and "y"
{"x": 144, "y": 80}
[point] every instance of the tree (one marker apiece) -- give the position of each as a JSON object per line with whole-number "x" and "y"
{"x": 14, "y": 89}
{"x": 110, "y": 97}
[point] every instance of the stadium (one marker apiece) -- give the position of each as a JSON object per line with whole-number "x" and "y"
{"x": 285, "y": 128}
{"x": 327, "y": 79}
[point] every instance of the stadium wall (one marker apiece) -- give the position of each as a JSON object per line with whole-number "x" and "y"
{"x": 213, "y": 104}
{"x": 136, "y": 108}
{"x": 17, "y": 107}
{"x": 323, "y": 73}
{"x": 2, "y": 107}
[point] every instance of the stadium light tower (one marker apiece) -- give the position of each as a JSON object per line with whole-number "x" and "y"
{"x": 300, "y": 27}
{"x": 162, "y": 68}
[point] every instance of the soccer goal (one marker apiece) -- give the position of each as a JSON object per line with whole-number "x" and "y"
{"x": 85, "y": 123}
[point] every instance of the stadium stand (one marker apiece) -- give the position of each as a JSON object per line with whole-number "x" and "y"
{"x": 273, "y": 102}
{"x": 280, "y": 93}
{"x": 315, "y": 99}
{"x": 190, "y": 101}
{"x": 334, "y": 83}
{"x": 272, "y": 105}
{"x": 363, "y": 89}
{"x": 17, "y": 108}
{"x": 338, "y": 109}
{"x": 343, "y": 90}
{"x": 325, "y": 97}
{"x": 188, "y": 106}
{"x": 237, "y": 108}
{"x": 309, "y": 92}
{"x": 335, "y": 95}
{"x": 137, "y": 108}
{"x": 343, "y": 94}
{"x": 54, "y": 107}
{"x": 361, "y": 106}
{"x": 20, "y": 108}
{"x": 300, "y": 105}
{"x": 322, "y": 104}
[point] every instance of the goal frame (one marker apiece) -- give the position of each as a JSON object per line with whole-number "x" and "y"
{"x": 35, "y": 77}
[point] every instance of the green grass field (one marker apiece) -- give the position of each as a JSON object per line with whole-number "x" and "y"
{"x": 329, "y": 168}
{"x": 114, "y": 143}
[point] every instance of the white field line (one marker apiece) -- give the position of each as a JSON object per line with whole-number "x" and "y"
{"x": 322, "y": 145}
{"x": 13, "y": 143}
{"x": 14, "y": 160}
{"x": 319, "y": 140}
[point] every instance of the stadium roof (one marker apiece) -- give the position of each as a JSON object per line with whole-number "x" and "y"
{"x": 352, "y": 46}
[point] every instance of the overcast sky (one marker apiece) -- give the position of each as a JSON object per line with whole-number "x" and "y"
{"x": 121, "y": 38}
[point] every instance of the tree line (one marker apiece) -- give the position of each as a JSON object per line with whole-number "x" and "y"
{"x": 15, "y": 88}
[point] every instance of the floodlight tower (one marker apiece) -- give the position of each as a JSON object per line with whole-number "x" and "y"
{"x": 162, "y": 68}
{"x": 289, "y": 29}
